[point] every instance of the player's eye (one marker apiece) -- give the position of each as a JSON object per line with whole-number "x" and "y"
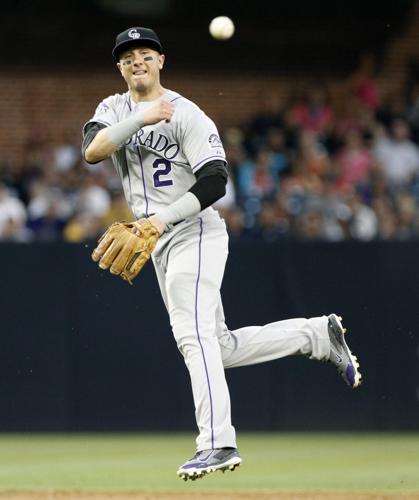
{"x": 126, "y": 62}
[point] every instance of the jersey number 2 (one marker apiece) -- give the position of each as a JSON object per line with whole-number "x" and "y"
{"x": 164, "y": 167}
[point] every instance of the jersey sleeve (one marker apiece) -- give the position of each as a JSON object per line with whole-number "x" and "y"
{"x": 104, "y": 114}
{"x": 201, "y": 142}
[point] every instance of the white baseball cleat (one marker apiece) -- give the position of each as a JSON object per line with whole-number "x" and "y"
{"x": 207, "y": 461}
{"x": 340, "y": 354}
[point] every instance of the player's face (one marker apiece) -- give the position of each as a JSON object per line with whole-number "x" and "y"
{"x": 140, "y": 68}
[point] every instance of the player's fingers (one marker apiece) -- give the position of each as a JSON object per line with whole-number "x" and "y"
{"x": 110, "y": 255}
{"x": 101, "y": 248}
{"x": 120, "y": 261}
{"x": 136, "y": 226}
{"x": 167, "y": 109}
{"x": 104, "y": 242}
{"x": 166, "y": 105}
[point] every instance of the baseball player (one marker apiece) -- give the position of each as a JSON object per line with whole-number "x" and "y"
{"x": 172, "y": 165}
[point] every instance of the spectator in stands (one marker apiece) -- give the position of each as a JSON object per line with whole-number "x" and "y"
{"x": 408, "y": 216}
{"x": 398, "y": 155}
{"x": 313, "y": 111}
{"x": 309, "y": 225}
{"x": 269, "y": 115}
{"x": 236, "y": 155}
{"x": 276, "y": 144}
{"x": 10, "y": 176}
{"x": 94, "y": 198}
{"x": 273, "y": 223}
{"x": 364, "y": 82}
{"x": 49, "y": 225}
{"x": 393, "y": 106}
{"x": 12, "y": 217}
{"x": 42, "y": 195}
{"x": 412, "y": 110}
{"x": 235, "y": 222}
{"x": 336, "y": 212}
{"x": 312, "y": 160}
{"x": 82, "y": 227}
{"x": 354, "y": 161}
{"x": 386, "y": 219}
{"x": 363, "y": 224}
{"x": 67, "y": 153}
{"x": 258, "y": 178}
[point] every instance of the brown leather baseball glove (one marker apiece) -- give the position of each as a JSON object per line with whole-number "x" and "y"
{"x": 125, "y": 247}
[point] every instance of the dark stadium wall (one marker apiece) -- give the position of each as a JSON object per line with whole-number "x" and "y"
{"x": 83, "y": 350}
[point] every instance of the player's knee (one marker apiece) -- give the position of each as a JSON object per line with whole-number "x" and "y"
{"x": 184, "y": 333}
{"x": 189, "y": 340}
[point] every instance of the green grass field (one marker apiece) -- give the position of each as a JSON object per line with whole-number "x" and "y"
{"x": 271, "y": 462}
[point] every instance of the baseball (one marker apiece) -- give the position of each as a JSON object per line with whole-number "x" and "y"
{"x": 221, "y": 28}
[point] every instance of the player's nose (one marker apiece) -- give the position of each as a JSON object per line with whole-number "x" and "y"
{"x": 137, "y": 60}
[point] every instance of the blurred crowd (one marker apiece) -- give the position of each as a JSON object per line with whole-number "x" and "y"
{"x": 301, "y": 168}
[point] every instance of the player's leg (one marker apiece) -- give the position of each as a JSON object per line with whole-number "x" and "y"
{"x": 320, "y": 338}
{"x": 195, "y": 267}
{"x": 257, "y": 344}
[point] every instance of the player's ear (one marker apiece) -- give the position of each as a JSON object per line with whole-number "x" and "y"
{"x": 161, "y": 61}
{"x": 119, "y": 66}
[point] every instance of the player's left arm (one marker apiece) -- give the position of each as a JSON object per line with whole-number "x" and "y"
{"x": 209, "y": 187}
{"x": 211, "y": 183}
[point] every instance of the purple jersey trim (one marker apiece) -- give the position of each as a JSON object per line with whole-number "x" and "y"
{"x": 128, "y": 102}
{"x": 205, "y": 160}
{"x": 178, "y": 97}
{"x": 142, "y": 176}
{"x": 197, "y": 331}
{"x": 129, "y": 180}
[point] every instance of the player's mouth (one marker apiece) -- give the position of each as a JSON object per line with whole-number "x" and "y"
{"x": 140, "y": 72}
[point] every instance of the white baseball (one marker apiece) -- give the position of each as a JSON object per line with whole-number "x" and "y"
{"x": 221, "y": 28}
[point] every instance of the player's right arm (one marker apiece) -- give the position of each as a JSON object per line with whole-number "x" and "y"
{"x": 100, "y": 142}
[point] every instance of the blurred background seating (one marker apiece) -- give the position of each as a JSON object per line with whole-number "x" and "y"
{"x": 317, "y": 107}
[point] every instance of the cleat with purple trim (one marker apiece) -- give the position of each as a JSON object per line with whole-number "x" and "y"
{"x": 340, "y": 354}
{"x": 207, "y": 461}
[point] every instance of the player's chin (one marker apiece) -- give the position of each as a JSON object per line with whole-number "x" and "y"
{"x": 140, "y": 85}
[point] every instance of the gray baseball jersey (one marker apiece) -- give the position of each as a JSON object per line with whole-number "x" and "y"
{"x": 157, "y": 164}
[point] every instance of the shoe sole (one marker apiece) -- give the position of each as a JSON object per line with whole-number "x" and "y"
{"x": 198, "y": 473}
{"x": 340, "y": 337}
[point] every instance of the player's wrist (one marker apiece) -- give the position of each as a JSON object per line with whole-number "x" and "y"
{"x": 157, "y": 223}
{"x": 186, "y": 206}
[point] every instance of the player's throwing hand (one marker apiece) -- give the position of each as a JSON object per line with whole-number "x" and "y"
{"x": 163, "y": 110}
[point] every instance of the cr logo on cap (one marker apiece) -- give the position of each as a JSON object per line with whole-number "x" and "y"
{"x": 134, "y": 34}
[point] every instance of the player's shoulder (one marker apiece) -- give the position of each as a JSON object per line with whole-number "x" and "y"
{"x": 115, "y": 100}
{"x": 184, "y": 106}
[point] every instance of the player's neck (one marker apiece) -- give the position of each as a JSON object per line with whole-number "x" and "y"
{"x": 147, "y": 95}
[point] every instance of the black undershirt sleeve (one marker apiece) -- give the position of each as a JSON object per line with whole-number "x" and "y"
{"x": 89, "y": 133}
{"x": 211, "y": 183}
